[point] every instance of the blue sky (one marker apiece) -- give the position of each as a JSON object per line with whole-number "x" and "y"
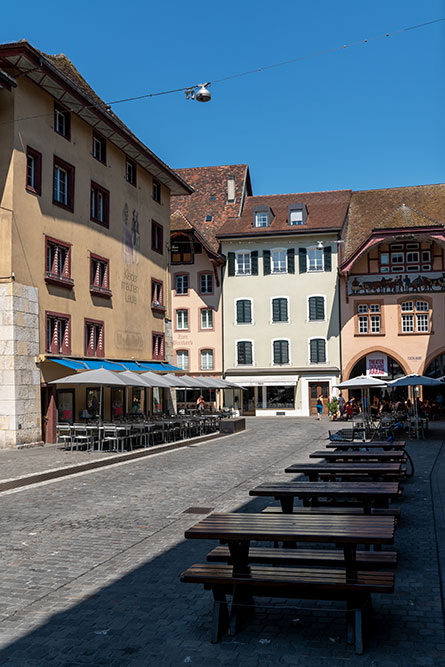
{"x": 364, "y": 117}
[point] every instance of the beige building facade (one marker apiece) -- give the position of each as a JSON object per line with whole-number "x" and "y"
{"x": 85, "y": 223}
{"x": 281, "y": 301}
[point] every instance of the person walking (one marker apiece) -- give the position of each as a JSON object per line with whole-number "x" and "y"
{"x": 319, "y": 406}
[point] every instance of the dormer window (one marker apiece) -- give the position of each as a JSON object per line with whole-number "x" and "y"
{"x": 208, "y": 218}
{"x": 297, "y": 214}
{"x": 261, "y": 219}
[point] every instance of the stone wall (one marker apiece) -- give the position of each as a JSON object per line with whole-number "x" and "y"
{"x": 20, "y": 411}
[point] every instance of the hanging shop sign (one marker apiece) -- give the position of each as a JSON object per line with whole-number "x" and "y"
{"x": 377, "y": 364}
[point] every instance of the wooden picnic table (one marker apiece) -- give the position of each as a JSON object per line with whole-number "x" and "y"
{"x": 378, "y": 455}
{"x": 366, "y": 493}
{"x": 238, "y": 529}
{"x": 375, "y": 471}
{"x": 371, "y": 446}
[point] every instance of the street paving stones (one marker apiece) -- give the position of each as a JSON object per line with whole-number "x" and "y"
{"x": 91, "y": 564}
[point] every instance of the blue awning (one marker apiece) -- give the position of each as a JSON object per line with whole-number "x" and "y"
{"x": 92, "y": 364}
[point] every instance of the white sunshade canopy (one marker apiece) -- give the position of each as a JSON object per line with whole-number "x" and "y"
{"x": 174, "y": 381}
{"x": 264, "y": 380}
{"x": 155, "y": 380}
{"x": 191, "y": 383}
{"x": 98, "y": 376}
{"x": 360, "y": 382}
{"x": 138, "y": 380}
{"x": 414, "y": 380}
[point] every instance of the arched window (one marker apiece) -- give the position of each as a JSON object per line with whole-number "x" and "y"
{"x": 436, "y": 368}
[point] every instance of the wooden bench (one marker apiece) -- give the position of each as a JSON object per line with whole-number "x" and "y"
{"x": 292, "y": 583}
{"x": 332, "y": 509}
{"x": 367, "y": 560}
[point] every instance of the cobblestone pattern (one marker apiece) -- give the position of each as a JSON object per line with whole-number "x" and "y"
{"x": 90, "y": 566}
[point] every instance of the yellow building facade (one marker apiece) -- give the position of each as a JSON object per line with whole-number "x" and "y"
{"x": 84, "y": 223}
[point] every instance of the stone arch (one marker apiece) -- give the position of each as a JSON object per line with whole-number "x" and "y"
{"x": 371, "y": 350}
{"x": 431, "y": 357}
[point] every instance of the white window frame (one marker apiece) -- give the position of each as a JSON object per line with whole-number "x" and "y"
{"x": 277, "y": 296}
{"x": 323, "y": 296}
{"x": 299, "y": 221}
{"x": 206, "y": 367}
{"x": 181, "y": 276}
{"x": 57, "y": 181}
{"x": 317, "y": 363}
{"x": 237, "y": 254}
{"x": 206, "y": 311}
{"x": 206, "y": 276}
{"x": 60, "y": 122}
{"x": 187, "y": 356}
{"x": 243, "y": 324}
{"x": 244, "y": 340}
{"x": 288, "y": 349}
{"x": 259, "y": 216}
{"x": 320, "y": 250}
{"x": 276, "y": 250}
{"x": 182, "y": 311}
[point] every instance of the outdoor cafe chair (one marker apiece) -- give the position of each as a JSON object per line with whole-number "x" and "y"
{"x": 64, "y": 435}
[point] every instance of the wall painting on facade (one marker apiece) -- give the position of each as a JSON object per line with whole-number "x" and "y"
{"x": 396, "y": 284}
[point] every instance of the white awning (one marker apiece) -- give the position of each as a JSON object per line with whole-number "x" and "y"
{"x": 264, "y": 380}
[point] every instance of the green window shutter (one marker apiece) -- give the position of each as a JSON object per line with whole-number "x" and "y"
{"x": 312, "y": 308}
{"x": 291, "y": 260}
{"x": 231, "y": 263}
{"x": 277, "y": 352}
{"x": 327, "y": 252}
{"x": 314, "y": 351}
{"x": 266, "y": 262}
{"x": 318, "y": 350}
{"x": 320, "y": 307}
{"x": 285, "y": 352}
{"x": 248, "y": 348}
{"x": 281, "y": 352}
{"x": 240, "y": 312}
{"x": 279, "y": 310}
{"x": 247, "y": 311}
{"x": 283, "y": 309}
{"x": 254, "y": 262}
{"x": 302, "y": 260}
{"x": 243, "y": 311}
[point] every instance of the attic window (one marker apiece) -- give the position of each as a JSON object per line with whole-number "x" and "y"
{"x": 296, "y": 217}
{"x": 261, "y": 219}
{"x": 208, "y": 218}
{"x": 212, "y": 197}
{"x": 296, "y": 214}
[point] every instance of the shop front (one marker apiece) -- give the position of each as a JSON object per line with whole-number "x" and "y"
{"x": 267, "y": 395}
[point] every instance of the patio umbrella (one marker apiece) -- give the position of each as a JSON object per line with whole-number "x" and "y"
{"x": 137, "y": 380}
{"x": 362, "y": 382}
{"x": 189, "y": 382}
{"x": 415, "y": 380}
{"x": 174, "y": 381}
{"x": 155, "y": 380}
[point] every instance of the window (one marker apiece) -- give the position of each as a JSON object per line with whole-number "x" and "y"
{"x": 261, "y": 219}
{"x": 280, "y": 352}
{"x": 415, "y": 317}
{"x": 182, "y": 359}
{"x": 206, "y": 283}
{"x": 296, "y": 217}
{"x": 99, "y": 148}
{"x": 280, "y": 310}
{"x": 316, "y": 308}
{"x": 33, "y": 171}
{"x": 62, "y": 121}
{"x": 206, "y": 360}
{"x": 369, "y": 318}
{"x": 100, "y": 204}
{"x": 243, "y": 265}
{"x": 63, "y": 187}
{"x": 100, "y": 275}
{"x": 58, "y": 262}
{"x": 279, "y": 261}
{"x": 157, "y": 237}
{"x": 317, "y": 351}
{"x": 182, "y": 251}
{"x": 208, "y": 218}
{"x": 212, "y": 197}
{"x": 206, "y": 318}
{"x": 182, "y": 284}
{"x": 404, "y": 257}
{"x": 157, "y": 294}
{"x": 94, "y": 338}
{"x": 280, "y": 397}
{"x": 130, "y": 171}
{"x": 315, "y": 259}
{"x": 158, "y": 345}
{"x": 244, "y": 311}
{"x": 182, "y": 319}
{"x": 58, "y": 333}
{"x": 156, "y": 191}
{"x": 244, "y": 355}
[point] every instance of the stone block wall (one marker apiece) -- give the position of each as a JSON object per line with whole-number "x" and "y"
{"x": 20, "y": 409}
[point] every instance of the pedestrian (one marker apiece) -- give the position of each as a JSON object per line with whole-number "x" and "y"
{"x": 200, "y": 403}
{"x": 319, "y": 406}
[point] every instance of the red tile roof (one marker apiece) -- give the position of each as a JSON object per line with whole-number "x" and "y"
{"x": 210, "y": 182}
{"x": 392, "y": 208}
{"x": 325, "y": 211}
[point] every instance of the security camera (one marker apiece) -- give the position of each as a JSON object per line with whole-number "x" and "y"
{"x": 203, "y": 95}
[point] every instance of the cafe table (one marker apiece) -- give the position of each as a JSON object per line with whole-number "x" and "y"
{"x": 239, "y": 529}
{"x": 374, "y": 471}
{"x": 369, "y": 446}
{"x": 378, "y": 455}
{"x": 366, "y": 493}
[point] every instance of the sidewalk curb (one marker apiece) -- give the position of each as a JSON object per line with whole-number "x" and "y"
{"x": 66, "y": 471}
{"x": 437, "y": 485}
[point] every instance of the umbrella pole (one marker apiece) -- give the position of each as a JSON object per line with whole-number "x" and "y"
{"x": 100, "y": 416}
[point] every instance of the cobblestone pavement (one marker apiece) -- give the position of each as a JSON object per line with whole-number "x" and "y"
{"x": 91, "y": 564}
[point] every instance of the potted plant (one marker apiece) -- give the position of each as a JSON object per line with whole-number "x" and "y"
{"x": 333, "y": 408}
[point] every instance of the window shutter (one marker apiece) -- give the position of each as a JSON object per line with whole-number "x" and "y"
{"x": 277, "y": 352}
{"x": 321, "y": 350}
{"x": 302, "y": 260}
{"x": 314, "y": 350}
{"x": 291, "y": 260}
{"x": 239, "y": 311}
{"x": 283, "y": 310}
{"x": 231, "y": 263}
{"x": 276, "y": 310}
{"x": 247, "y": 311}
{"x": 312, "y": 308}
{"x": 285, "y": 352}
{"x": 266, "y": 262}
{"x": 254, "y": 262}
{"x": 248, "y": 352}
{"x": 319, "y": 307}
{"x": 327, "y": 252}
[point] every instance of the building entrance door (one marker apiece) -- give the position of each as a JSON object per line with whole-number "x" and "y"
{"x": 315, "y": 389}
{"x": 249, "y": 402}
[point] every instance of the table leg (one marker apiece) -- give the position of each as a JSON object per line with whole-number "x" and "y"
{"x": 287, "y": 504}
{"x": 349, "y": 551}
{"x": 239, "y": 553}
